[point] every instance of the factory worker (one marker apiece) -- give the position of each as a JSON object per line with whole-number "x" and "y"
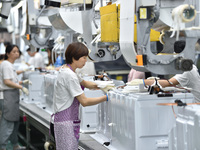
{"x": 2, "y": 52}
{"x": 36, "y": 59}
{"x": 68, "y": 94}
{"x": 9, "y": 88}
{"x": 134, "y": 74}
{"x": 189, "y": 79}
{"x": 1, "y": 58}
{"x": 88, "y": 68}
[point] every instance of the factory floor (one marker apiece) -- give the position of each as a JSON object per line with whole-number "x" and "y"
{"x": 34, "y": 130}
{"x": 9, "y": 146}
{"x": 37, "y": 140}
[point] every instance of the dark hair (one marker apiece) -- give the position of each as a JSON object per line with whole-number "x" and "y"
{"x": 51, "y": 57}
{"x": 37, "y": 49}
{"x": 9, "y": 48}
{"x": 75, "y": 50}
{"x": 7, "y": 43}
{"x": 2, "y": 56}
{"x": 28, "y": 50}
{"x": 179, "y": 46}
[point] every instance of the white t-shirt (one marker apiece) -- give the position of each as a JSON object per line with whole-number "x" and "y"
{"x": 37, "y": 61}
{"x": 31, "y": 61}
{"x": 190, "y": 79}
{"x": 7, "y": 71}
{"x": 66, "y": 88}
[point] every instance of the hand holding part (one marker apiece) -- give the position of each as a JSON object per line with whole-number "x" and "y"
{"x": 135, "y": 82}
{"x": 107, "y": 88}
{"x": 156, "y": 83}
{"x": 27, "y": 82}
{"x": 25, "y": 90}
{"x": 27, "y": 69}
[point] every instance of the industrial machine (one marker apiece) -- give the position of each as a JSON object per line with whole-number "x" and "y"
{"x": 167, "y": 17}
{"x": 132, "y": 29}
{"x": 110, "y": 30}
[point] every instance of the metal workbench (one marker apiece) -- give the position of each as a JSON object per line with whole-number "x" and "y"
{"x": 39, "y": 118}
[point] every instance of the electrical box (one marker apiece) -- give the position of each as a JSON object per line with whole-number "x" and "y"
{"x": 109, "y": 24}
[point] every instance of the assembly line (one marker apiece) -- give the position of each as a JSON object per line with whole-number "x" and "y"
{"x": 52, "y": 91}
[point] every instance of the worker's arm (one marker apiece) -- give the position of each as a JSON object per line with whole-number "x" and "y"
{"x": 164, "y": 83}
{"x": 173, "y": 81}
{"x": 22, "y": 71}
{"x": 27, "y": 64}
{"x": 58, "y": 68}
{"x": 89, "y": 84}
{"x": 19, "y": 71}
{"x": 11, "y": 84}
{"x": 85, "y": 101}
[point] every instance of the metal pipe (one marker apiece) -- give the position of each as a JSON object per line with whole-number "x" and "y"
{"x": 101, "y": 2}
{"x": 84, "y": 5}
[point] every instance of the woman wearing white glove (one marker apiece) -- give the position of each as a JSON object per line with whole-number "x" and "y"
{"x": 68, "y": 94}
{"x": 105, "y": 86}
{"x": 10, "y": 86}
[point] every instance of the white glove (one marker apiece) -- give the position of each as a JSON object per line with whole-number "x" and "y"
{"x": 27, "y": 69}
{"x": 152, "y": 78}
{"x": 158, "y": 84}
{"x": 50, "y": 68}
{"x": 27, "y": 82}
{"x": 30, "y": 68}
{"x": 107, "y": 88}
{"x": 135, "y": 82}
{"x": 25, "y": 90}
{"x": 20, "y": 92}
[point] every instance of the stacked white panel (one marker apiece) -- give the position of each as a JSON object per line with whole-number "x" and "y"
{"x": 49, "y": 82}
{"x": 185, "y": 134}
{"x": 130, "y": 120}
{"x": 173, "y": 138}
{"x": 89, "y": 115}
{"x": 36, "y": 89}
{"x": 197, "y": 128}
{"x": 26, "y": 76}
